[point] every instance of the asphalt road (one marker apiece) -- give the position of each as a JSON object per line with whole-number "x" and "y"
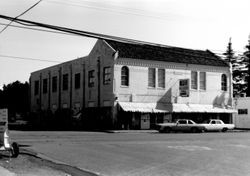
{"x": 144, "y": 154}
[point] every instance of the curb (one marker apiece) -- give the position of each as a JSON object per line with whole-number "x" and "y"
{"x": 131, "y": 131}
{"x": 56, "y": 164}
{"x": 155, "y": 131}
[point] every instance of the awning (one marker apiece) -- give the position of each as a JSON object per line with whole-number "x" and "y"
{"x": 178, "y": 108}
{"x": 199, "y": 108}
{"x": 143, "y": 107}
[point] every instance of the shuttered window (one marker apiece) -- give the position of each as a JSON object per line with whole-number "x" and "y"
{"x": 151, "y": 77}
{"x": 161, "y": 78}
{"x": 194, "y": 80}
{"x": 202, "y": 80}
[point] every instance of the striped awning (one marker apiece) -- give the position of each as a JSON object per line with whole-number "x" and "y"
{"x": 175, "y": 107}
{"x": 143, "y": 107}
{"x": 200, "y": 108}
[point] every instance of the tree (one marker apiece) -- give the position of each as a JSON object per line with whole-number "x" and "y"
{"x": 15, "y": 97}
{"x": 247, "y": 58}
{"x": 237, "y": 72}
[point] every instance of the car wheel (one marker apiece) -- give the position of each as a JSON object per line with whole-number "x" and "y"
{"x": 194, "y": 130}
{"x": 224, "y": 130}
{"x": 167, "y": 129}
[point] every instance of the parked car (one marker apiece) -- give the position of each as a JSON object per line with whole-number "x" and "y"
{"x": 184, "y": 125}
{"x": 217, "y": 125}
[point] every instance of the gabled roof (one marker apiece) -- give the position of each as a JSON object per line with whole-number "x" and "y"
{"x": 149, "y": 51}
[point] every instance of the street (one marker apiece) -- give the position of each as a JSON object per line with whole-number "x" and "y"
{"x": 144, "y": 153}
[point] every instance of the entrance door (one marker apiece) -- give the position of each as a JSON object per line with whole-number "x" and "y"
{"x": 145, "y": 121}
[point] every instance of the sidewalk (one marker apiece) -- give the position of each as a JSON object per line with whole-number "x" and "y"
{"x": 5, "y": 172}
{"x": 155, "y": 131}
{"x": 131, "y": 131}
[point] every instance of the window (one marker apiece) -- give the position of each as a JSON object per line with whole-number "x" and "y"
{"x": 151, "y": 77}
{"x": 242, "y": 111}
{"x": 65, "y": 81}
{"x": 54, "y": 84}
{"x": 91, "y": 82}
{"x": 182, "y": 122}
{"x": 125, "y": 76}
{"x": 194, "y": 80}
{"x": 184, "y": 88}
{"x": 36, "y": 87}
{"x": 45, "y": 86}
{"x": 224, "y": 82}
{"x": 161, "y": 78}
{"x": 77, "y": 80}
{"x": 202, "y": 80}
{"x": 218, "y": 122}
{"x": 106, "y": 75}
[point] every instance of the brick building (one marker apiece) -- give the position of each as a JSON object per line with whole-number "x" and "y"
{"x": 127, "y": 85}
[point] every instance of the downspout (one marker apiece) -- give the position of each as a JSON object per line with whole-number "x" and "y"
{"x": 83, "y": 85}
{"x": 40, "y": 92}
{"x": 49, "y": 94}
{"x": 59, "y": 87}
{"x": 71, "y": 88}
{"x": 99, "y": 82}
{"x": 230, "y": 102}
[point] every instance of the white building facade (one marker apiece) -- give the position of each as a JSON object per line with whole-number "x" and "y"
{"x": 126, "y": 85}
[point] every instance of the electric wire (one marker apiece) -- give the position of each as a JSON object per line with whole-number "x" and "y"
{"x": 114, "y": 8}
{"x": 36, "y": 29}
{"x": 79, "y": 32}
{"x": 19, "y": 16}
{"x": 28, "y": 58}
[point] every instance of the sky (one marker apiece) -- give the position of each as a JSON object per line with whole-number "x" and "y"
{"x": 194, "y": 24}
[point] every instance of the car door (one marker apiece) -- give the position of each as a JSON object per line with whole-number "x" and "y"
{"x": 212, "y": 126}
{"x": 181, "y": 125}
{"x": 190, "y": 125}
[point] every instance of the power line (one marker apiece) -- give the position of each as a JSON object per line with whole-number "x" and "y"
{"x": 19, "y": 16}
{"x": 121, "y": 10}
{"x": 28, "y": 58}
{"x": 78, "y": 32}
{"x": 35, "y": 29}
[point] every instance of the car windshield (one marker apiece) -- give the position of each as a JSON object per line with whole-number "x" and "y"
{"x": 190, "y": 122}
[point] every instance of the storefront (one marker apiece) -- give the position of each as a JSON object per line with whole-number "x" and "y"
{"x": 145, "y": 115}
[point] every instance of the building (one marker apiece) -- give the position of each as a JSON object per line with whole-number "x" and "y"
{"x": 126, "y": 85}
{"x": 242, "y": 118}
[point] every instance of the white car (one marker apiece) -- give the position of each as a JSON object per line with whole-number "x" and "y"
{"x": 217, "y": 125}
{"x": 184, "y": 125}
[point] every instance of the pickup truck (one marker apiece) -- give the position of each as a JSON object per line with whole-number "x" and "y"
{"x": 184, "y": 125}
{"x": 217, "y": 125}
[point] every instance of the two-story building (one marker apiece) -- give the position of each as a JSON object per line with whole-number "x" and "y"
{"x": 129, "y": 85}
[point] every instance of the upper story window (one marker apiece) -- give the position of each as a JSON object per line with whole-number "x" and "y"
{"x": 65, "y": 81}
{"x": 161, "y": 78}
{"x": 45, "y": 86}
{"x": 54, "y": 84}
{"x": 224, "y": 82}
{"x": 124, "y": 76}
{"x": 202, "y": 80}
{"x": 106, "y": 75}
{"x": 151, "y": 77}
{"x": 77, "y": 80}
{"x": 194, "y": 80}
{"x": 91, "y": 81}
{"x": 184, "y": 88}
{"x": 36, "y": 91}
